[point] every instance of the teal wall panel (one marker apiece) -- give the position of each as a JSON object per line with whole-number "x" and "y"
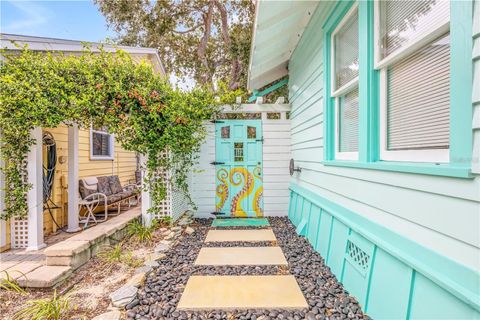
{"x": 297, "y": 215}
{"x": 429, "y": 301}
{"x": 292, "y": 205}
{"x": 313, "y": 224}
{"x": 323, "y": 239}
{"x": 391, "y": 280}
{"x": 359, "y": 256}
{"x": 338, "y": 244}
{"x": 387, "y": 286}
{"x": 303, "y": 218}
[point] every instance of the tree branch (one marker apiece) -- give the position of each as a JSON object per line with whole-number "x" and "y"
{"x": 189, "y": 30}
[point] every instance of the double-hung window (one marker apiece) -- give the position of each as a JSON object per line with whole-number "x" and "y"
{"x": 101, "y": 144}
{"x": 412, "y": 53}
{"x": 344, "y": 79}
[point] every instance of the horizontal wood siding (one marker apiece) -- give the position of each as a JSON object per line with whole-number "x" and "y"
{"x": 438, "y": 212}
{"x": 202, "y": 183}
{"x": 276, "y": 158}
{"x": 123, "y": 165}
{"x": 476, "y": 87}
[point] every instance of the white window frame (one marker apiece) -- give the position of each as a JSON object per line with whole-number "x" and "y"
{"x": 440, "y": 28}
{"x": 343, "y": 90}
{"x": 111, "y": 149}
{"x": 428, "y": 155}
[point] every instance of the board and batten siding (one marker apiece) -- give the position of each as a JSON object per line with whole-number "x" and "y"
{"x": 334, "y": 205}
{"x": 276, "y": 156}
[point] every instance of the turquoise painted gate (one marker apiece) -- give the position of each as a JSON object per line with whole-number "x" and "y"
{"x": 238, "y": 167}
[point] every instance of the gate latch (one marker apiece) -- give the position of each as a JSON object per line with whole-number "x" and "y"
{"x": 260, "y": 140}
{"x": 215, "y": 163}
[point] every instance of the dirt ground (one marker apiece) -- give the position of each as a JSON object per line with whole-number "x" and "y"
{"x": 88, "y": 289}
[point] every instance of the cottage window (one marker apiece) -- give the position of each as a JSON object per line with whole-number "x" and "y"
{"x": 345, "y": 85}
{"x": 413, "y": 56}
{"x": 101, "y": 144}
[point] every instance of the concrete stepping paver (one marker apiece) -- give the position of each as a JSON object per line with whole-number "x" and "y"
{"x": 45, "y": 277}
{"x": 240, "y": 222}
{"x": 237, "y": 256}
{"x": 240, "y": 235}
{"x": 242, "y": 292}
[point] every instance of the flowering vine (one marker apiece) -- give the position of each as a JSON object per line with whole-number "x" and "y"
{"x": 140, "y": 107}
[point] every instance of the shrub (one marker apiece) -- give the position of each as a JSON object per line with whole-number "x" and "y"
{"x": 54, "y": 308}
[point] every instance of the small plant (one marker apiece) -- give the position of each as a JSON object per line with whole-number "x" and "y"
{"x": 9, "y": 284}
{"x": 131, "y": 261}
{"x": 143, "y": 234}
{"x": 110, "y": 256}
{"x": 166, "y": 220}
{"x": 54, "y": 308}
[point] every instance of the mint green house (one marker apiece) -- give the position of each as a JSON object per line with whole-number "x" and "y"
{"x": 385, "y": 129}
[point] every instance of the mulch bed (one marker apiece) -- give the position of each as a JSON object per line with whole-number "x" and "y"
{"x": 327, "y": 299}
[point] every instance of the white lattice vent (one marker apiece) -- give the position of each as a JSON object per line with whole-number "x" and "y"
{"x": 19, "y": 233}
{"x": 358, "y": 257}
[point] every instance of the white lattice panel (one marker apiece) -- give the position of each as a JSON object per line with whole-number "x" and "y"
{"x": 19, "y": 233}
{"x": 180, "y": 204}
{"x": 164, "y": 208}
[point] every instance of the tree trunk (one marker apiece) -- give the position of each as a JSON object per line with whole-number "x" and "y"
{"x": 202, "y": 47}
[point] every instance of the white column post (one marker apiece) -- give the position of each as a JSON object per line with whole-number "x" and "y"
{"x": 146, "y": 200}
{"x": 73, "y": 219}
{"x": 35, "y": 195}
{"x": 3, "y": 223}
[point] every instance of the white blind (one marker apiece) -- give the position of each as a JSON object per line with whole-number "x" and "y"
{"x": 346, "y": 52}
{"x": 402, "y": 22}
{"x": 348, "y": 122}
{"x": 418, "y": 99}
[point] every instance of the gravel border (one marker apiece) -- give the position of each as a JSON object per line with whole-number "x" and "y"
{"x": 327, "y": 299}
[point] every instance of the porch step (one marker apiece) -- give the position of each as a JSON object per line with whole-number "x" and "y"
{"x": 45, "y": 277}
{"x": 240, "y": 222}
{"x": 240, "y": 235}
{"x": 77, "y": 250}
{"x": 19, "y": 270}
{"x": 242, "y": 292}
{"x": 237, "y": 256}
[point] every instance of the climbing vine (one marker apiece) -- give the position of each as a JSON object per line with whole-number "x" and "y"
{"x": 101, "y": 88}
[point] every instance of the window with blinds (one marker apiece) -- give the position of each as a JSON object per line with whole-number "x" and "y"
{"x": 346, "y": 51}
{"x": 101, "y": 143}
{"x": 403, "y": 22}
{"x": 348, "y": 122}
{"x": 418, "y": 99}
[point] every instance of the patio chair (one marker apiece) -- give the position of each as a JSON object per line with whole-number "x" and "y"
{"x": 105, "y": 191}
